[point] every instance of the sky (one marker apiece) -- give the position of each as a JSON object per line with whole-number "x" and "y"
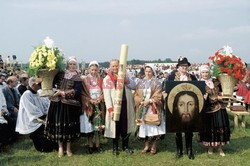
{"x": 153, "y": 29}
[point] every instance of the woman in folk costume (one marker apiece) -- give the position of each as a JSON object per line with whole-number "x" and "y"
{"x": 126, "y": 124}
{"x": 181, "y": 74}
{"x": 148, "y": 101}
{"x": 63, "y": 122}
{"x": 92, "y": 120}
{"x": 216, "y": 131}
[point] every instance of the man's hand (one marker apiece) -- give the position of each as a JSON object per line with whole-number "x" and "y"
{"x": 205, "y": 96}
{"x": 111, "y": 115}
{"x": 15, "y": 109}
{"x": 164, "y": 94}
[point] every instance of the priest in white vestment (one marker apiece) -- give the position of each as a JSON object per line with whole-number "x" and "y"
{"x": 31, "y": 116}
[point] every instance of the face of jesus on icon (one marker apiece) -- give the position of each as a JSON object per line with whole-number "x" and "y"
{"x": 186, "y": 107}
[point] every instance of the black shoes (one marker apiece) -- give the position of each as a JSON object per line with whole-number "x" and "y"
{"x": 115, "y": 151}
{"x": 99, "y": 150}
{"x": 190, "y": 154}
{"x": 179, "y": 153}
{"x": 91, "y": 150}
{"x": 127, "y": 150}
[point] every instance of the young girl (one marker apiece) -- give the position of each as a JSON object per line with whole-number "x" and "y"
{"x": 92, "y": 121}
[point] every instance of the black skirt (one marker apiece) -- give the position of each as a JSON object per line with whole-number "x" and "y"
{"x": 63, "y": 122}
{"x": 216, "y": 129}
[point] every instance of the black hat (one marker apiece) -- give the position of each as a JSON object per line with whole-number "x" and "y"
{"x": 182, "y": 61}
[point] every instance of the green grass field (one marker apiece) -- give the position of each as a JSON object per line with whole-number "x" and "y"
{"x": 237, "y": 153}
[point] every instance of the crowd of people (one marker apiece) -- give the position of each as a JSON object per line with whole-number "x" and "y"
{"x": 83, "y": 105}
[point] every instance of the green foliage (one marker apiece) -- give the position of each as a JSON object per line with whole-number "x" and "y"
{"x": 216, "y": 71}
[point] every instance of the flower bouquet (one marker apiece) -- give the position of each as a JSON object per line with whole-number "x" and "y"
{"x": 228, "y": 68}
{"x": 45, "y": 61}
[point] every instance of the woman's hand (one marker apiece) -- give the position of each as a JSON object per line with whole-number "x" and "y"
{"x": 59, "y": 93}
{"x": 146, "y": 103}
{"x": 220, "y": 97}
{"x": 92, "y": 101}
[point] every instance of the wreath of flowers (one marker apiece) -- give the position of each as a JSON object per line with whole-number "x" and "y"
{"x": 46, "y": 56}
{"x": 223, "y": 61}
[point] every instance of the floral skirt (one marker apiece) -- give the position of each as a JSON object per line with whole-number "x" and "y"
{"x": 216, "y": 130}
{"x": 63, "y": 122}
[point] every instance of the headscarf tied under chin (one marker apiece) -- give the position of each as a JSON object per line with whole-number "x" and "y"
{"x": 71, "y": 59}
{"x": 209, "y": 82}
{"x": 68, "y": 74}
{"x": 153, "y": 68}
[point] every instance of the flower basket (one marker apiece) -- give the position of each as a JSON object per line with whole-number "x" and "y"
{"x": 47, "y": 81}
{"x": 46, "y": 61}
{"x": 227, "y": 84}
{"x": 228, "y": 68}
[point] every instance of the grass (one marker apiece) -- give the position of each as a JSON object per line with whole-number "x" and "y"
{"x": 237, "y": 153}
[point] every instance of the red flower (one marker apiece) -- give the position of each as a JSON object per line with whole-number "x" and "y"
{"x": 229, "y": 72}
{"x": 218, "y": 61}
{"x": 232, "y": 65}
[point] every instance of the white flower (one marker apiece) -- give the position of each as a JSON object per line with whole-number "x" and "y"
{"x": 227, "y": 50}
{"x": 49, "y": 42}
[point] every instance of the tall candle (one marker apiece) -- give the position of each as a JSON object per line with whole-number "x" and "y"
{"x": 120, "y": 82}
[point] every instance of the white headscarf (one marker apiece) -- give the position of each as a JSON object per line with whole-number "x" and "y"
{"x": 93, "y": 63}
{"x": 208, "y": 82}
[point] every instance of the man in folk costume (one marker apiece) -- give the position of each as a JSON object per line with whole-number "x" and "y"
{"x": 181, "y": 74}
{"x": 126, "y": 124}
{"x": 31, "y": 116}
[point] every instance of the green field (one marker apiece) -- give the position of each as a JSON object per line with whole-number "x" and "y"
{"x": 237, "y": 153}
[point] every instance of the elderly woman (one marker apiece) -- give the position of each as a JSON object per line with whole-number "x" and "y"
{"x": 63, "y": 124}
{"x": 148, "y": 101}
{"x": 216, "y": 131}
{"x": 92, "y": 120}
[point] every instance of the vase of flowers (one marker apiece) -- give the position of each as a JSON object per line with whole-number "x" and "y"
{"x": 228, "y": 68}
{"x": 45, "y": 61}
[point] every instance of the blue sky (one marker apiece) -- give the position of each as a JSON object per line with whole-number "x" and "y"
{"x": 153, "y": 29}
